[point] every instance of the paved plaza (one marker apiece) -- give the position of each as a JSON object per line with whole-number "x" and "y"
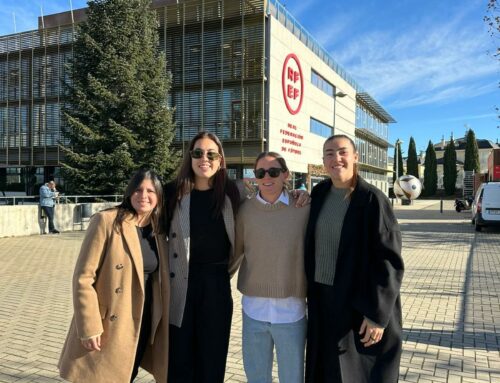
{"x": 450, "y": 295}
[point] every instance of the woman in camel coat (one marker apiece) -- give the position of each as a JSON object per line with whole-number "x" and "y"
{"x": 120, "y": 295}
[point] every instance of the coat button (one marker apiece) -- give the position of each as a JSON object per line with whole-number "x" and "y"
{"x": 119, "y": 290}
{"x": 174, "y": 235}
{"x": 175, "y": 255}
{"x": 172, "y": 275}
{"x": 113, "y": 317}
{"x": 119, "y": 266}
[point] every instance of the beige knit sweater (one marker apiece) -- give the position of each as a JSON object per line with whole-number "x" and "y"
{"x": 270, "y": 240}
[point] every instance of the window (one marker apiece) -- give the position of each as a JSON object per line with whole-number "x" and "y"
{"x": 368, "y": 121}
{"x": 321, "y": 83}
{"x": 236, "y": 119}
{"x": 321, "y": 129}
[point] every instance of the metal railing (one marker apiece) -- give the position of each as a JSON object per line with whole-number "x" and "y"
{"x": 62, "y": 199}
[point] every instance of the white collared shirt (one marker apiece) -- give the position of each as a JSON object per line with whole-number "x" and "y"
{"x": 274, "y": 310}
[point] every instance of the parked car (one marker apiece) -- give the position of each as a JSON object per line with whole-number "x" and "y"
{"x": 486, "y": 206}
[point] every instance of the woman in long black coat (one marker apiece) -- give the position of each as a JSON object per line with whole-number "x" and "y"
{"x": 354, "y": 270}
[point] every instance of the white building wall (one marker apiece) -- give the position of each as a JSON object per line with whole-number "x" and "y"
{"x": 289, "y": 134}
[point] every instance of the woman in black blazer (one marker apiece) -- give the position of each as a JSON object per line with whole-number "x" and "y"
{"x": 202, "y": 203}
{"x": 354, "y": 270}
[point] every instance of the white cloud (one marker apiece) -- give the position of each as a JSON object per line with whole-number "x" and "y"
{"x": 443, "y": 95}
{"x": 331, "y": 33}
{"x": 485, "y": 116}
{"x": 432, "y": 61}
{"x": 299, "y": 8}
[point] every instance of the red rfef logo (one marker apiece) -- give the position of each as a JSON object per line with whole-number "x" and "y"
{"x": 292, "y": 83}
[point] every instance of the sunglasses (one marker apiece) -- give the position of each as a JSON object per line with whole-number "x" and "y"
{"x": 198, "y": 153}
{"x": 273, "y": 172}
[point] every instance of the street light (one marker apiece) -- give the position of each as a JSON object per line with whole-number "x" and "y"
{"x": 398, "y": 143}
{"x": 335, "y": 95}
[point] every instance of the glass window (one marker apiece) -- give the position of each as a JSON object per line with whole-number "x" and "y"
{"x": 321, "y": 129}
{"x": 321, "y": 83}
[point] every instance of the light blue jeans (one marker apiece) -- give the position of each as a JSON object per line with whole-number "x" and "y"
{"x": 259, "y": 339}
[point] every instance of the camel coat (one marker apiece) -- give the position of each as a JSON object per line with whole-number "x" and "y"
{"x": 108, "y": 299}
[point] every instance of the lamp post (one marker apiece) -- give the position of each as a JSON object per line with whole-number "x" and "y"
{"x": 335, "y": 95}
{"x": 398, "y": 143}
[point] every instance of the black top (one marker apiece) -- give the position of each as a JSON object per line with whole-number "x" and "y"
{"x": 209, "y": 240}
{"x": 148, "y": 249}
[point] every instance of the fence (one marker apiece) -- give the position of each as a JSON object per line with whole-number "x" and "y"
{"x": 62, "y": 199}
{"x": 22, "y": 215}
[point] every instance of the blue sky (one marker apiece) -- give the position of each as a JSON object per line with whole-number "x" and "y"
{"x": 425, "y": 61}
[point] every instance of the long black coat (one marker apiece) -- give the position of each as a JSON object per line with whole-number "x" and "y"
{"x": 368, "y": 276}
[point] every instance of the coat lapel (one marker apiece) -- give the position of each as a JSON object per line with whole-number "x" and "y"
{"x": 229, "y": 221}
{"x": 132, "y": 240}
{"x": 183, "y": 212}
{"x": 184, "y": 222}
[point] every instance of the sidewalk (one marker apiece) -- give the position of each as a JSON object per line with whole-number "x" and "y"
{"x": 450, "y": 295}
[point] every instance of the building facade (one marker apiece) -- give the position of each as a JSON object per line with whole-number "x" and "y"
{"x": 245, "y": 70}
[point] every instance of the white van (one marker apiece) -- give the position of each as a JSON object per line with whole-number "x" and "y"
{"x": 486, "y": 205}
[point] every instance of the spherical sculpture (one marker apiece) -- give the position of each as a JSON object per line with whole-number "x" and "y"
{"x": 407, "y": 187}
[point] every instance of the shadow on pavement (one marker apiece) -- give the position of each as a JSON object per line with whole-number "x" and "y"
{"x": 482, "y": 340}
{"x": 444, "y": 227}
{"x": 460, "y": 235}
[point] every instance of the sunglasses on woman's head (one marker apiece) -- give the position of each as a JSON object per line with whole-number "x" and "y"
{"x": 198, "y": 153}
{"x": 273, "y": 172}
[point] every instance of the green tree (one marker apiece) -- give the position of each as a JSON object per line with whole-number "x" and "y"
{"x": 471, "y": 153}
{"x": 450, "y": 168}
{"x": 399, "y": 158}
{"x": 430, "y": 172}
{"x": 412, "y": 162}
{"x": 116, "y": 113}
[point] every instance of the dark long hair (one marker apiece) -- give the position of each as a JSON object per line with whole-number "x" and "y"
{"x": 126, "y": 208}
{"x": 355, "y": 175}
{"x": 184, "y": 182}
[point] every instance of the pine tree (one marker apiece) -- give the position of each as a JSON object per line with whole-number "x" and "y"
{"x": 450, "y": 168}
{"x": 471, "y": 153}
{"x": 116, "y": 114}
{"x": 412, "y": 162}
{"x": 399, "y": 158}
{"x": 430, "y": 172}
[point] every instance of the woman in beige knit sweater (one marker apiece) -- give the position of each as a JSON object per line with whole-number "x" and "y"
{"x": 270, "y": 233}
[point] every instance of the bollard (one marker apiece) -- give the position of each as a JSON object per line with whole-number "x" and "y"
{"x": 441, "y": 206}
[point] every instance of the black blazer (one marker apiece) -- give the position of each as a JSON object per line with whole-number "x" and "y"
{"x": 367, "y": 281}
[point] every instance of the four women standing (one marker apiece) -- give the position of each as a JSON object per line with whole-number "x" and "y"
{"x": 123, "y": 294}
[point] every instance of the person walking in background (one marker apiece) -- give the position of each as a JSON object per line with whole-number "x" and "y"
{"x": 48, "y": 194}
{"x": 354, "y": 271}
{"x": 121, "y": 292}
{"x": 202, "y": 203}
{"x": 270, "y": 235}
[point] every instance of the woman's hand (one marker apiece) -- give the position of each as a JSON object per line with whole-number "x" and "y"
{"x": 303, "y": 197}
{"x": 92, "y": 344}
{"x": 370, "y": 332}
